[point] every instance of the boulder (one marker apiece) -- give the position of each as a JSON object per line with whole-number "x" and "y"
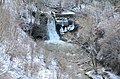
{"x": 40, "y": 31}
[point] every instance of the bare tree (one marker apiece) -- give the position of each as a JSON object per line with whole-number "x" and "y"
{"x": 2, "y": 2}
{"x": 90, "y": 46}
{"x": 77, "y": 2}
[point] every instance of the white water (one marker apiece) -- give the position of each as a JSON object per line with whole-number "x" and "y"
{"x": 53, "y": 36}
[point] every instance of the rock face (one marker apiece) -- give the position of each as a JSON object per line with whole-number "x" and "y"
{"x": 64, "y": 25}
{"x": 40, "y": 31}
{"x": 34, "y": 23}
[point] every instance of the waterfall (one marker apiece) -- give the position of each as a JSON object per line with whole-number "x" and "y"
{"x": 53, "y": 36}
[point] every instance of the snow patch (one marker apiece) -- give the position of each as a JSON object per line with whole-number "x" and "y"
{"x": 25, "y": 13}
{"x": 21, "y": 39}
{"x": 67, "y": 13}
{"x": 4, "y": 59}
{"x": 102, "y": 74}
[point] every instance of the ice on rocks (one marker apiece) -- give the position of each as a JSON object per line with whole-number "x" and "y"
{"x": 102, "y": 74}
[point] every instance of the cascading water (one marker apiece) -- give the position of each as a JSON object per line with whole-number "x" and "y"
{"x": 53, "y": 36}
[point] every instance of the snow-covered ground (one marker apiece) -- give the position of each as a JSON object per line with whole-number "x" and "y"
{"x": 16, "y": 59}
{"x": 25, "y": 13}
{"x": 102, "y": 74}
{"x": 28, "y": 65}
{"x": 68, "y": 13}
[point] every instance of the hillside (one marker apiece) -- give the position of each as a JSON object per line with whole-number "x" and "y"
{"x": 61, "y": 39}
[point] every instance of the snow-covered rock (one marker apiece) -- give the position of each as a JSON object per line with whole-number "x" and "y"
{"x": 102, "y": 74}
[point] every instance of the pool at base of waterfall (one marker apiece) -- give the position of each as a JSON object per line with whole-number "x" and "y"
{"x": 55, "y": 41}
